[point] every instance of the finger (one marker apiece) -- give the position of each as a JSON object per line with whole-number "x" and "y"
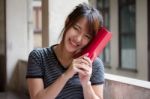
{"x": 86, "y": 70}
{"x": 82, "y": 66}
{"x": 77, "y": 62}
{"x": 84, "y": 61}
{"x": 81, "y": 71}
{"x": 80, "y": 61}
{"x": 87, "y": 59}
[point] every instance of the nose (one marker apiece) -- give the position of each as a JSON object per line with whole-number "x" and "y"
{"x": 78, "y": 38}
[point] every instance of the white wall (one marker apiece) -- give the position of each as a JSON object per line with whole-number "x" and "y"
{"x": 16, "y": 35}
{"x": 58, "y": 11}
{"x": 142, "y": 38}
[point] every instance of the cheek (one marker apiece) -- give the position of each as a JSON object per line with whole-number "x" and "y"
{"x": 85, "y": 42}
{"x": 70, "y": 33}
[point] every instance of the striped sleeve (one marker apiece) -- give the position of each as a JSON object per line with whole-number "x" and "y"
{"x": 97, "y": 72}
{"x": 34, "y": 68}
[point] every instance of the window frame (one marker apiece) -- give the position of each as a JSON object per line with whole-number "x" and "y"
{"x": 120, "y": 34}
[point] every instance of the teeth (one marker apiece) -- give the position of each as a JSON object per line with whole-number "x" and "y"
{"x": 74, "y": 43}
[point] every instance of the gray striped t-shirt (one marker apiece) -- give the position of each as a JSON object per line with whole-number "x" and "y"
{"x": 43, "y": 63}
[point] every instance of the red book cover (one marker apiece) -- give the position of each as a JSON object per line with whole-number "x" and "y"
{"x": 96, "y": 46}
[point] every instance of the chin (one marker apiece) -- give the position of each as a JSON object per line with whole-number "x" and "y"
{"x": 69, "y": 49}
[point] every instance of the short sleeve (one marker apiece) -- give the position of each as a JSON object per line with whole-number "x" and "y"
{"x": 97, "y": 72}
{"x": 34, "y": 68}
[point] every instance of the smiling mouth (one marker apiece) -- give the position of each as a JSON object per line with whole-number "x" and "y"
{"x": 73, "y": 43}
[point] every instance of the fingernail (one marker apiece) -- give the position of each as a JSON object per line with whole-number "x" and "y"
{"x": 86, "y": 54}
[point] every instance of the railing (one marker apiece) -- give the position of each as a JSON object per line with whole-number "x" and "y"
{"x": 118, "y": 87}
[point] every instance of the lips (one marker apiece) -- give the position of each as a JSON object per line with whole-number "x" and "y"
{"x": 73, "y": 44}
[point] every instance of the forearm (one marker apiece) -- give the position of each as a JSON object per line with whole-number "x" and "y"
{"x": 89, "y": 92}
{"x": 52, "y": 91}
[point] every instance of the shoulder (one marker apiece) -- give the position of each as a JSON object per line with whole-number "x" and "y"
{"x": 98, "y": 67}
{"x": 37, "y": 51}
{"x": 98, "y": 63}
{"x": 39, "y": 56}
{"x": 40, "y": 52}
{"x": 97, "y": 72}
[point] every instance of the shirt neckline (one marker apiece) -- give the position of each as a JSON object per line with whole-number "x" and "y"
{"x": 52, "y": 49}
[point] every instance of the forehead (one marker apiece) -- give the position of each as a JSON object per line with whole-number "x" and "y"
{"x": 82, "y": 23}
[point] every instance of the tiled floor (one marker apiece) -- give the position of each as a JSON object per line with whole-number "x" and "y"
{"x": 11, "y": 95}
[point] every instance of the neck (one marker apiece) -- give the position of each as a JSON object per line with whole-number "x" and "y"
{"x": 64, "y": 57}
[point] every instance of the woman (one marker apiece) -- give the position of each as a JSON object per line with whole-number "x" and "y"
{"x": 56, "y": 73}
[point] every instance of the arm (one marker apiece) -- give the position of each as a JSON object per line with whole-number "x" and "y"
{"x": 37, "y": 91}
{"x": 36, "y": 85}
{"x": 93, "y": 91}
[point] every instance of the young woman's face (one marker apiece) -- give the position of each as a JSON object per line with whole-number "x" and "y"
{"x": 77, "y": 36}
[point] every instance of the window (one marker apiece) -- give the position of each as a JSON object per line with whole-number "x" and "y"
{"x": 37, "y": 19}
{"x": 127, "y": 37}
{"x": 37, "y": 23}
{"x": 103, "y": 6}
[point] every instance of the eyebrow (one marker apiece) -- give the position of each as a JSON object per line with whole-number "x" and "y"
{"x": 81, "y": 28}
{"x": 78, "y": 26}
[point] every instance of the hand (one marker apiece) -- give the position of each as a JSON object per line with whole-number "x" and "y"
{"x": 87, "y": 69}
{"x": 82, "y": 66}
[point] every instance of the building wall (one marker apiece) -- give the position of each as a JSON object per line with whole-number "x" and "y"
{"x": 16, "y": 36}
{"x": 141, "y": 41}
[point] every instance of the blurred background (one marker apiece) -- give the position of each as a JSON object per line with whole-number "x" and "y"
{"x": 29, "y": 24}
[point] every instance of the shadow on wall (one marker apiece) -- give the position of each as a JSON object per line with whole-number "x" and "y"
{"x": 2, "y": 73}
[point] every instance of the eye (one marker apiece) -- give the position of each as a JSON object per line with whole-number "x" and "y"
{"x": 88, "y": 36}
{"x": 76, "y": 28}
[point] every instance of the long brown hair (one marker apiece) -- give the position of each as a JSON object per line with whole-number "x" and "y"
{"x": 93, "y": 16}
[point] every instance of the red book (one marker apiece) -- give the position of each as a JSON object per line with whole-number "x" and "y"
{"x": 96, "y": 46}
